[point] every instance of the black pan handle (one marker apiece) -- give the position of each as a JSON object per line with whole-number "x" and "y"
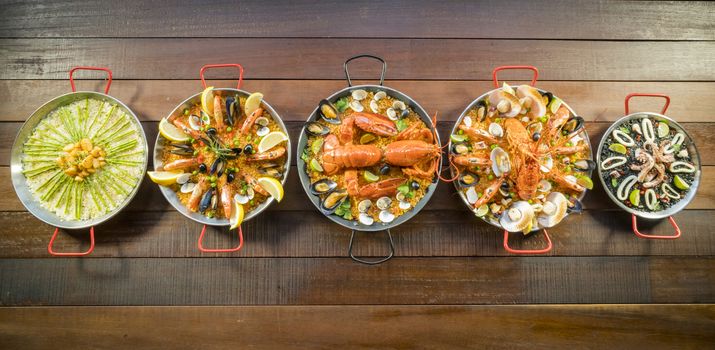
{"x": 372, "y": 262}
{"x": 382, "y": 75}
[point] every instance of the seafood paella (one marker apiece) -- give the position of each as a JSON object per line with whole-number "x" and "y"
{"x": 369, "y": 156}
{"x": 521, "y": 158}
{"x": 84, "y": 159}
{"x": 223, "y": 156}
{"x": 648, "y": 163}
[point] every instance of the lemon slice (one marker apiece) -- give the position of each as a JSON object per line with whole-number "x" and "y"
{"x": 272, "y": 186}
{"x": 370, "y": 177}
{"x": 482, "y": 210}
{"x": 635, "y": 197}
{"x": 253, "y": 102}
{"x": 585, "y": 181}
{"x": 164, "y": 178}
{"x": 207, "y": 101}
{"x": 171, "y": 132}
{"x": 236, "y": 214}
{"x": 271, "y": 140}
{"x": 663, "y": 129}
{"x": 618, "y": 148}
{"x": 458, "y": 138}
{"x": 315, "y": 165}
{"x": 680, "y": 183}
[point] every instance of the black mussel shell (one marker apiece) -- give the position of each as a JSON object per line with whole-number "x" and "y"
{"x": 333, "y": 200}
{"x": 328, "y": 112}
{"x": 230, "y": 109}
{"x": 574, "y": 123}
{"x": 385, "y": 169}
{"x": 481, "y": 116}
{"x": 460, "y": 148}
{"x": 272, "y": 172}
{"x": 237, "y": 150}
{"x": 316, "y": 129}
{"x": 217, "y": 167}
{"x": 202, "y": 167}
{"x": 211, "y": 131}
{"x": 230, "y": 177}
{"x": 549, "y": 96}
{"x": 323, "y": 186}
{"x": 584, "y": 165}
{"x": 206, "y": 200}
{"x": 182, "y": 146}
{"x": 415, "y": 185}
{"x": 575, "y": 207}
{"x": 536, "y": 136}
{"x": 248, "y": 149}
{"x": 404, "y": 113}
{"x": 182, "y": 152}
{"x": 468, "y": 179}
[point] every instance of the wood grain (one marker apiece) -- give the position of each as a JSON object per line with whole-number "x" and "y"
{"x": 423, "y": 59}
{"x": 361, "y": 327}
{"x": 611, "y": 20}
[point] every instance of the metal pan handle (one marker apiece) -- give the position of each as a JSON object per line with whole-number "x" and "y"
{"x": 109, "y": 74}
{"x": 382, "y": 75}
{"x": 666, "y": 97}
{"x": 646, "y": 236}
{"x": 372, "y": 262}
{"x": 210, "y": 250}
{"x": 87, "y": 252}
{"x": 240, "y": 72}
{"x": 497, "y": 69}
{"x": 527, "y": 251}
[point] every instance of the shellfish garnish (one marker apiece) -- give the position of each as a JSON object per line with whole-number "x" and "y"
{"x": 263, "y": 131}
{"x": 356, "y": 106}
{"x": 500, "y": 161}
{"x": 323, "y": 186}
{"x": 460, "y": 148}
{"x": 471, "y": 194}
{"x": 669, "y": 191}
{"x": 333, "y": 201}
{"x": 392, "y": 114}
{"x": 195, "y": 122}
{"x": 496, "y": 130}
{"x": 374, "y": 106}
{"x": 262, "y": 121}
{"x": 623, "y": 138}
{"x": 518, "y": 218}
{"x": 383, "y": 203}
{"x": 404, "y": 205}
{"x": 680, "y": 166}
{"x": 544, "y": 186}
{"x": 584, "y": 165}
{"x": 399, "y": 105}
{"x": 467, "y": 121}
{"x": 241, "y": 199}
{"x": 650, "y": 199}
{"x": 183, "y": 178}
{"x": 546, "y": 163}
{"x": 379, "y": 95}
{"x": 506, "y": 103}
{"x": 468, "y": 179}
{"x": 386, "y": 216}
{"x": 328, "y": 112}
{"x": 364, "y": 205}
{"x": 624, "y": 188}
{"x": 554, "y": 209}
{"x": 612, "y": 162}
{"x": 648, "y": 132}
{"x": 365, "y": 219}
{"x": 535, "y": 101}
{"x": 187, "y": 187}
{"x": 316, "y": 129}
{"x": 359, "y": 94}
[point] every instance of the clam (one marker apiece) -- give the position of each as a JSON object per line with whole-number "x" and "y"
{"x": 546, "y": 164}
{"x": 195, "y": 122}
{"x": 333, "y": 200}
{"x": 468, "y": 179}
{"x": 496, "y": 130}
{"x": 183, "y": 178}
{"x": 262, "y": 121}
{"x": 554, "y": 209}
{"x": 404, "y": 205}
{"x": 506, "y": 103}
{"x": 241, "y": 199}
{"x": 356, "y": 106}
{"x": 399, "y": 105}
{"x": 359, "y": 94}
{"x": 500, "y": 161}
{"x": 584, "y": 165}
{"x": 574, "y": 124}
{"x": 669, "y": 191}
{"x": 187, "y": 187}
{"x": 392, "y": 114}
{"x": 250, "y": 193}
{"x": 624, "y": 188}
{"x": 533, "y": 99}
{"x": 364, "y": 205}
{"x": 374, "y": 107}
{"x": 471, "y": 195}
{"x": 379, "y": 95}
{"x": 263, "y": 131}
{"x": 365, "y": 219}
{"x": 680, "y": 166}
{"x": 322, "y": 186}
{"x": 535, "y": 127}
{"x": 383, "y": 203}
{"x": 518, "y": 218}
{"x": 612, "y": 162}
{"x": 467, "y": 120}
{"x": 623, "y": 138}
{"x": 544, "y": 186}
{"x": 482, "y": 110}
{"x": 205, "y": 202}
{"x": 328, "y": 112}
{"x": 386, "y": 216}
{"x": 648, "y": 132}
{"x": 495, "y": 208}
{"x": 460, "y": 148}
{"x": 651, "y": 200}
{"x": 400, "y": 196}
{"x": 316, "y": 129}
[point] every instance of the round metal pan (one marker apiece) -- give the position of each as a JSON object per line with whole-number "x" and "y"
{"x": 18, "y": 179}
{"x": 692, "y": 150}
{"x": 171, "y": 196}
{"x": 583, "y": 134}
{"x": 305, "y": 179}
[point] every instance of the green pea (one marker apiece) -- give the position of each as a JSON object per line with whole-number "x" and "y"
{"x": 213, "y": 185}
{"x": 195, "y": 172}
{"x": 229, "y": 129}
{"x": 490, "y": 177}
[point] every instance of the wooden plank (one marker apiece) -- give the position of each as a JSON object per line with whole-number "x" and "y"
{"x": 424, "y": 59}
{"x": 640, "y": 20}
{"x": 432, "y": 233}
{"x": 312, "y": 281}
{"x": 296, "y": 99}
{"x": 361, "y": 327}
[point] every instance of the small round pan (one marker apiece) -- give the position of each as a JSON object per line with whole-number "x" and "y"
{"x": 583, "y": 134}
{"x": 171, "y": 196}
{"x": 694, "y": 156}
{"x": 18, "y": 179}
{"x": 305, "y": 179}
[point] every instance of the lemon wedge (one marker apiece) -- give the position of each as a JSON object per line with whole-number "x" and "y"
{"x": 618, "y": 148}
{"x": 164, "y": 178}
{"x": 207, "y": 101}
{"x": 272, "y": 186}
{"x": 171, "y": 132}
{"x": 253, "y": 102}
{"x": 680, "y": 183}
{"x": 236, "y": 214}
{"x": 271, "y": 140}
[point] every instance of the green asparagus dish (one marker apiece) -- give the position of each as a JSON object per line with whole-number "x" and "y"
{"x": 84, "y": 159}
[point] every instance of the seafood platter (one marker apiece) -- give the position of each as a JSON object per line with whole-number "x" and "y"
{"x": 649, "y": 166}
{"x": 222, "y": 157}
{"x": 78, "y": 160}
{"x": 369, "y": 158}
{"x": 521, "y": 159}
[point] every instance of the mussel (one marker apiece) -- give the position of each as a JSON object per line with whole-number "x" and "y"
{"x": 323, "y": 186}
{"x": 206, "y": 200}
{"x": 482, "y": 110}
{"x": 574, "y": 124}
{"x": 547, "y": 96}
{"x": 328, "y": 112}
{"x": 333, "y": 200}
{"x": 230, "y": 110}
{"x": 182, "y": 149}
{"x": 460, "y": 148}
{"x": 316, "y": 129}
{"x": 468, "y": 179}
{"x": 404, "y": 113}
{"x": 217, "y": 167}
{"x": 584, "y": 165}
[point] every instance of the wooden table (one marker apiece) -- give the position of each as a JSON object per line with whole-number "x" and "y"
{"x": 451, "y": 285}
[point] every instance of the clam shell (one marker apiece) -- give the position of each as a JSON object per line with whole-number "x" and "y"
{"x": 386, "y": 216}
{"x": 500, "y": 161}
{"x": 392, "y": 114}
{"x": 359, "y": 94}
{"x": 471, "y": 195}
{"x": 183, "y": 178}
{"x": 356, "y": 106}
{"x": 241, "y": 199}
{"x": 496, "y": 130}
{"x": 399, "y": 105}
{"x": 383, "y": 203}
{"x": 195, "y": 122}
{"x": 374, "y": 107}
{"x": 534, "y": 100}
{"x": 262, "y": 121}
{"x": 364, "y": 205}
{"x": 263, "y": 131}
{"x": 365, "y": 219}
{"x": 554, "y": 209}
{"x": 379, "y": 95}
{"x": 187, "y": 187}
{"x": 404, "y": 205}
{"x": 467, "y": 121}
{"x": 518, "y": 217}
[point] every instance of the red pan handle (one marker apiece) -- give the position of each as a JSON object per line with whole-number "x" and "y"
{"x": 497, "y": 69}
{"x": 666, "y": 97}
{"x": 87, "y": 252}
{"x": 240, "y": 72}
{"x": 230, "y": 250}
{"x": 646, "y": 236}
{"x": 527, "y": 251}
{"x": 109, "y": 74}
